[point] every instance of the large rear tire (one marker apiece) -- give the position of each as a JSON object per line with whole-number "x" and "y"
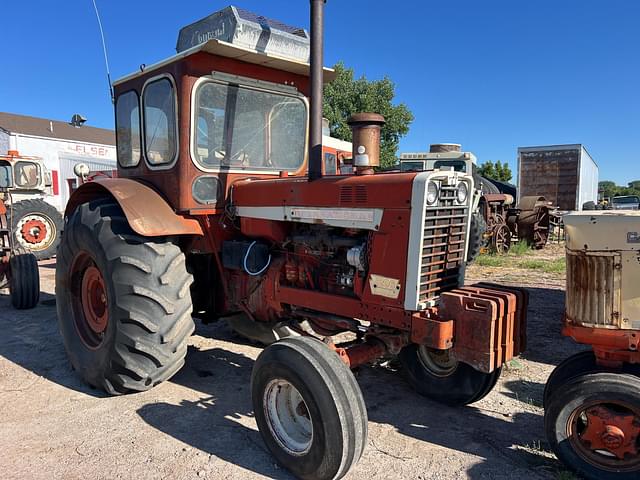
{"x": 309, "y": 408}
{"x": 124, "y": 307}
{"x": 477, "y": 231}
{"x": 592, "y": 424}
{"x": 436, "y": 375}
{"x": 36, "y": 227}
{"x": 24, "y": 280}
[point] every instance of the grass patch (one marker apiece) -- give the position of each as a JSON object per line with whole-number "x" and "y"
{"x": 548, "y": 266}
{"x": 516, "y": 260}
{"x": 486, "y": 260}
{"x": 520, "y": 249}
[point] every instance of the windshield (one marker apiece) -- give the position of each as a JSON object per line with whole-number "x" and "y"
{"x": 626, "y": 200}
{"x": 26, "y": 174}
{"x": 412, "y": 166}
{"x": 242, "y": 128}
{"x": 458, "y": 165}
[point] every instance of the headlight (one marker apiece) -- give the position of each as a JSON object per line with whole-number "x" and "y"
{"x": 462, "y": 192}
{"x": 432, "y": 193}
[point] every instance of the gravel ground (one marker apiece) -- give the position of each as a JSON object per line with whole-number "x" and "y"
{"x": 200, "y": 423}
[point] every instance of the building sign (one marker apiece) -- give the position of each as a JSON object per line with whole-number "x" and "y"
{"x": 91, "y": 150}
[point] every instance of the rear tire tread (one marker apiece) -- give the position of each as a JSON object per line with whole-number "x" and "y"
{"x": 146, "y": 311}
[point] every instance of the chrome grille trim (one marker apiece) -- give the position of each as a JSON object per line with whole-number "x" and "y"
{"x": 437, "y": 239}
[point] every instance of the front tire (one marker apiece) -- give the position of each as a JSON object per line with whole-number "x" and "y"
{"x": 593, "y": 425}
{"x": 24, "y": 280}
{"x": 309, "y": 408}
{"x": 579, "y": 364}
{"x": 124, "y": 308}
{"x": 477, "y": 231}
{"x": 36, "y": 227}
{"x": 435, "y": 374}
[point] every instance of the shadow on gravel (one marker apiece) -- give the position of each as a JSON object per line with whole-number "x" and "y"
{"x": 30, "y": 338}
{"x": 211, "y": 424}
{"x": 545, "y": 342}
{"x": 504, "y": 443}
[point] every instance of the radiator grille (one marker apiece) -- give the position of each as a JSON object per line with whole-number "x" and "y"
{"x": 443, "y": 246}
{"x": 593, "y": 289}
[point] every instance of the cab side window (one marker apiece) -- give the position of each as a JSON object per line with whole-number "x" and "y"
{"x": 159, "y": 106}
{"x": 128, "y": 129}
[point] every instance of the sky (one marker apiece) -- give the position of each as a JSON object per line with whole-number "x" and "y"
{"x": 492, "y": 75}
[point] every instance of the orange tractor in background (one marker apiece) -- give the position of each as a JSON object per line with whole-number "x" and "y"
{"x": 223, "y": 209}
{"x": 592, "y": 399}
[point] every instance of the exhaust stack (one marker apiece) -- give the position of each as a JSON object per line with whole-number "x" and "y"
{"x": 365, "y": 129}
{"x": 315, "y": 121}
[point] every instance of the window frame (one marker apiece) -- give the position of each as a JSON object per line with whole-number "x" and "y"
{"x": 172, "y": 163}
{"x": 140, "y": 133}
{"x": 220, "y": 169}
{"x": 39, "y": 177}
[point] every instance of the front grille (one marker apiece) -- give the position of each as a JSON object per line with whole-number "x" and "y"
{"x": 593, "y": 289}
{"x": 443, "y": 245}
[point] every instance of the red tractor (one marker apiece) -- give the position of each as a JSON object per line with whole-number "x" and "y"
{"x": 221, "y": 209}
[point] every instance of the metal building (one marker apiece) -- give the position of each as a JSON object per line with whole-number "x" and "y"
{"x": 565, "y": 175}
{"x": 61, "y": 145}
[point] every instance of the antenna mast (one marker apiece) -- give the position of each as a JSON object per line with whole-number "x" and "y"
{"x": 104, "y": 49}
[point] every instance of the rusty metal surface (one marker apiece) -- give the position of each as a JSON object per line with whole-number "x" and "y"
{"x": 489, "y": 324}
{"x": 147, "y": 212}
{"x": 477, "y": 338}
{"x": 365, "y": 128}
{"x": 533, "y": 220}
{"x": 445, "y": 147}
{"x": 433, "y": 333}
{"x": 552, "y": 174}
{"x": 507, "y": 311}
{"x": 611, "y": 347}
{"x": 520, "y": 317}
{"x": 593, "y": 289}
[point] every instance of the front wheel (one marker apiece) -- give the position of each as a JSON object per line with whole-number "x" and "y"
{"x": 437, "y": 375}
{"x": 124, "y": 308}
{"x": 593, "y": 425}
{"x": 24, "y": 280}
{"x": 579, "y": 364}
{"x": 309, "y": 408}
{"x": 36, "y": 227}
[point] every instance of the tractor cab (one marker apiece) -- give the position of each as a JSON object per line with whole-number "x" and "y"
{"x": 231, "y": 104}
{"x": 28, "y": 173}
{"x": 440, "y": 156}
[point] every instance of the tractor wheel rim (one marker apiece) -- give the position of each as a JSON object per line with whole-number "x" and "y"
{"x": 35, "y": 232}
{"x": 288, "y": 417}
{"x": 439, "y": 363}
{"x": 89, "y": 301}
{"x": 606, "y": 434}
{"x": 502, "y": 240}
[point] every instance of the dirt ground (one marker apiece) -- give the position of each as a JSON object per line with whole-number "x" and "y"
{"x": 200, "y": 423}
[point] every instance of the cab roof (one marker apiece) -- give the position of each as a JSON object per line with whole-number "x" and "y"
{"x": 241, "y": 53}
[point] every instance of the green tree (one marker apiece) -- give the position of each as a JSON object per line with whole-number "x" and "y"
{"x": 607, "y": 187}
{"x": 635, "y": 185}
{"x": 496, "y": 171}
{"x": 345, "y": 96}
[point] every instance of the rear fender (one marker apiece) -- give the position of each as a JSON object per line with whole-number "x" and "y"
{"x": 147, "y": 213}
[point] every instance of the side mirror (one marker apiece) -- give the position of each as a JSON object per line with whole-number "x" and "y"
{"x": 6, "y": 177}
{"x": 81, "y": 170}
